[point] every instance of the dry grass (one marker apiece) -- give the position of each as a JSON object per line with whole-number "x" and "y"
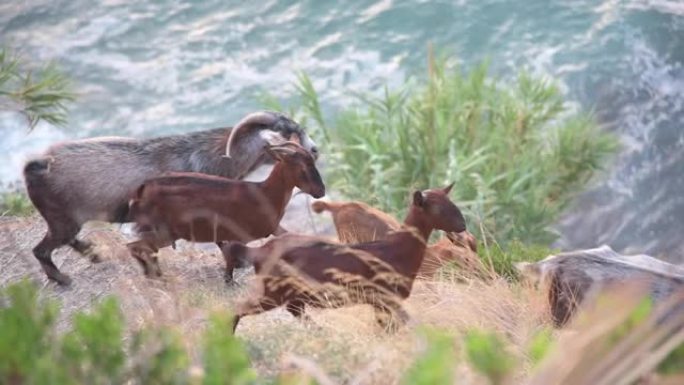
{"x": 340, "y": 346}
{"x": 344, "y": 343}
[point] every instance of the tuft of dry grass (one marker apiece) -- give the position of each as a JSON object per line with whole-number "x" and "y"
{"x": 344, "y": 343}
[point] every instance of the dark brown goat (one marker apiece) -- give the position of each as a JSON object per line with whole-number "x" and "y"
{"x": 358, "y": 222}
{"x": 296, "y": 271}
{"x": 206, "y": 208}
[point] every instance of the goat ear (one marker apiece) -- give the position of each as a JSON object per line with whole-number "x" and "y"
{"x": 253, "y": 131}
{"x": 448, "y": 188}
{"x": 418, "y": 198}
{"x": 270, "y": 150}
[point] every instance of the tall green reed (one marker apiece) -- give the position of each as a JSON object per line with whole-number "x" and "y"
{"x": 518, "y": 152}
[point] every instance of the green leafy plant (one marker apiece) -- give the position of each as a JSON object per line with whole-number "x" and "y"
{"x": 436, "y": 364}
{"x": 540, "y": 345}
{"x": 160, "y": 358}
{"x": 486, "y": 353}
{"x": 93, "y": 351}
{"x": 41, "y": 94}
{"x": 26, "y": 333}
{"x": 502, "y": 258}
{"x": 225, "y": 358}
{"x": 14, "y": 202}
{"x": 674, "y": 362}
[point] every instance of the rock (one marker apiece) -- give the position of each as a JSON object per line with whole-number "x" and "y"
{"x": 573, "y": 279}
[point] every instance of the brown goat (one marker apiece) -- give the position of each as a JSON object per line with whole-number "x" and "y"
{"x": 358, "y": 222}
{"x": 296, "y": 270}
{"x": 207, "y": 208}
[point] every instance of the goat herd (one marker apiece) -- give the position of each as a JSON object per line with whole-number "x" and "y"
{"x": 189, "y": 187}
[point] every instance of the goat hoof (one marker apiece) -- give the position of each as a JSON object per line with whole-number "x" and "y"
{"x": 95, "y": 257}
{"x": 228, "y": 278}
{"x": 154, "y": 272}
{"x": 54, "y": 274}
{"x": 61, "y": 279}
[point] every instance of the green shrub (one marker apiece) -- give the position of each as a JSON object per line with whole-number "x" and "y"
{"x": 225, "y": 359}
{"x": 26, "y": 334}
{"x": 160, "y": 358}
{"x": 436, "y": 364}
{"x": 674, "y": 362}
{"x": 502, "y": 258}
{"x": 41, "y": 94}
{"x": 540, "y": 345}
{"x": 15, "y": 203}
{"x": 517, "y": 152}
{"x": 486, "y": 352}
{"x": 94, "y": 351}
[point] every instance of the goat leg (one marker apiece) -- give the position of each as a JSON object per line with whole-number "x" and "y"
{"x": 280, "y": 231}
{"x": 230, "y": 265}
{"x": 154, "y": 266}
{"x": 253, "y": 307}
{"x": 142, "y": 251}
{"x": 85, "y": 248}
{"x": 43, "y": 252}
{"x": 390, "y": 317}
{"x": 296, "y": 308}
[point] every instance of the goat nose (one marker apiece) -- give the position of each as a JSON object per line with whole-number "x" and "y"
{"x": 314, "y": 151}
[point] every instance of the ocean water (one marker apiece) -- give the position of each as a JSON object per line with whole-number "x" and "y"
{"x": 147, "y": 68}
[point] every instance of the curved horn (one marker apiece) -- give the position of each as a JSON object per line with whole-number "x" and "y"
{"x": 448, "y": 188}
{"x": 248, "y": 124}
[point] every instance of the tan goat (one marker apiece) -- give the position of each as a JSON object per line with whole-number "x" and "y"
{"x": 358, "y": 222}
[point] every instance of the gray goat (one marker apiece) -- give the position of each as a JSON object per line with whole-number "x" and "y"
{"x": 574, "y": 279}
{"x": 93, "y": 179}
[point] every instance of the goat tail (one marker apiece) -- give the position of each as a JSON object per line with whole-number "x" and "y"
{"x": 320, "y": 206}
{"x": 35, "y": 169}
{"x": 36, "y": 179}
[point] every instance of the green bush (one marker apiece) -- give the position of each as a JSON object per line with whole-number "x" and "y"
{"x": 160, "y": 358}
{"x": 540, "y": 345}
{"x": 436, "y": 364}
{"x": 486, "y": 352}
{"x": 36, "y": 94}
{"x": 674, "y": 362}
{"x": 517, "y": 152}
{"x": 15, "y": 203}
{"x": 26, "y": 335}
{"x": 502, "y": 258}
{"x": 94, "y": 350}
{"x": 225, "y": 359}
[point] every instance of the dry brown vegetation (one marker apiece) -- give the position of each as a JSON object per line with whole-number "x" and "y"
{"x": 345, "y": 343}
{"x": 341, "y": 346}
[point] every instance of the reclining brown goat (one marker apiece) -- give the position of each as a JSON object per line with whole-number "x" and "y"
{"x": 296, "y": 270}
{"x": 359, "y": 222}
{"x": 207, "y": 208}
